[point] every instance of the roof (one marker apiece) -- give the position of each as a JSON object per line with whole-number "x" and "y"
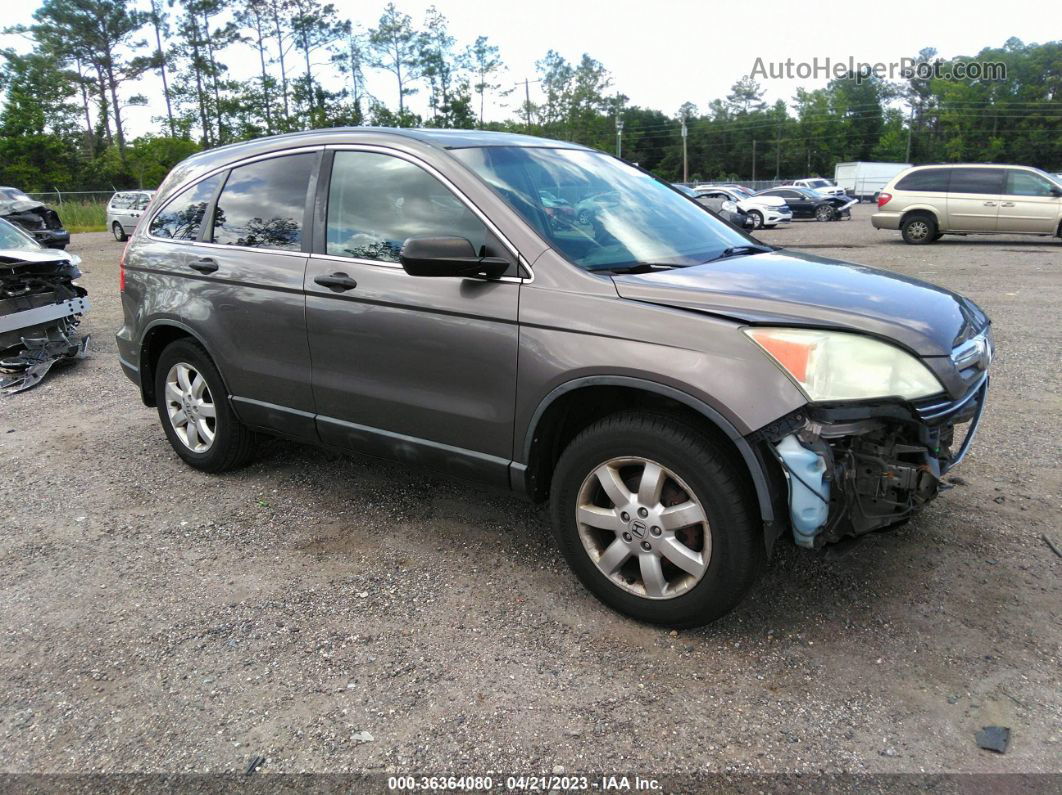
{"x": 443, "y": 139}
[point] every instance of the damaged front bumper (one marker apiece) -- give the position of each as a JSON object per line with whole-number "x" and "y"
{"x": 40, "y": 311}
{"x": 853, "y": 469}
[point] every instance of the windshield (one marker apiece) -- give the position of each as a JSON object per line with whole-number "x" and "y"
{"x": 622, "y": 216}
{"x": 818, "y": 183}
{"x": 13, "y": 237}
{"x": 14, "y": 194}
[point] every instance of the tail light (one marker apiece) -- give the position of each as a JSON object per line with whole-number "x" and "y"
{"x": 121, "y": 269}
{"x": 883, "y": 199}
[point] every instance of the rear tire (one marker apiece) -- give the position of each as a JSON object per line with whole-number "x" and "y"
{"x": 919, "y": 229}
{"x": 119, "y": 232}
{"x": 217, "y": 441}
{"x": 721, "y": 556}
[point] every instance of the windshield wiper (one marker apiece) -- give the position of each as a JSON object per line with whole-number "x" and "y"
{"x": 737, "y": 251}
{"x": 638, "y": 267}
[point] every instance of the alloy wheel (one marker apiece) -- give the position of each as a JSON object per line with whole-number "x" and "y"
{"x": 643, "y": 528}
{"x": 918, "y": 230}
{"x": 190, "y": 407}
{"x": 116, "y": 230}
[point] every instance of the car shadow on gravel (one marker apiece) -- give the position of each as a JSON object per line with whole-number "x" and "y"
{"x": 799, "y": 590}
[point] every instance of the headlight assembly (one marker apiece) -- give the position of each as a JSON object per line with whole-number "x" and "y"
{"x": 837, "y": 365}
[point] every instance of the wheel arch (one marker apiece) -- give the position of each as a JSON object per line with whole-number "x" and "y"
{"x": 921, "y": 209}
{"x": 575, "y": 404}
{"x": 158, "y": 335}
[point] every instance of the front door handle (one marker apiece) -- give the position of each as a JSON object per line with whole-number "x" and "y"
{"x": 339, "y": 282}
{"x": 990, "y": 204}
{"x": 204, "y": 265}
{"x": 1007, "y": 204}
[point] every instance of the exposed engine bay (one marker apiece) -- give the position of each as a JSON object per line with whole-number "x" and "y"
{"x": 40, "y": 309}
{"x": 852, "y": 470}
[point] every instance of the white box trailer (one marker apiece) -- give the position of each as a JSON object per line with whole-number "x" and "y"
{"x": 863, "y": 180}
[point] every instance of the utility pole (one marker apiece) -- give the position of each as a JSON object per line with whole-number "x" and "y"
{"x": 619, "y": 136}
{"x": 527, "y": 103}
{"x": 910, "y": 130}
{"x": 753, "y": 159}
{"x": 685, "y": 162}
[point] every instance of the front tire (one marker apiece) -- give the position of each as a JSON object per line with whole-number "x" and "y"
{"x": 119, "y": 232}
{"x": 757, "y": 218}
{"x": 825, "y": 212}
{"x": 656, "y": 520}
{"x": 194, "y": 410}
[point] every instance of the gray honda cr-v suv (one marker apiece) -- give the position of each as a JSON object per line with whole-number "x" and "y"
{"x": 681, "y": 393}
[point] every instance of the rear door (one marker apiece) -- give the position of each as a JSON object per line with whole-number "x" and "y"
{"x": 1029, "y": 204}
{"x": 416, "y": 368}
{"x": 246, "y": 274}
{"x": 974, "y": 196}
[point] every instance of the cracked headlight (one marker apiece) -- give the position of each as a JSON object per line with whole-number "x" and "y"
{"x": 837, "y": 365}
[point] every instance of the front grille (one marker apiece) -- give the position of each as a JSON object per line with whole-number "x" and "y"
{"x": 936, "y": 410}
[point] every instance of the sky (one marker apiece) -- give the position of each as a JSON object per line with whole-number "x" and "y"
{"x": 667, "y": 52}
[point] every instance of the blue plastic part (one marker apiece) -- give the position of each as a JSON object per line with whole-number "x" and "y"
{"x": 809, "y": 491}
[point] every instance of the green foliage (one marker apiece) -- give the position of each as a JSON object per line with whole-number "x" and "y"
{"x": 62, "y": 126}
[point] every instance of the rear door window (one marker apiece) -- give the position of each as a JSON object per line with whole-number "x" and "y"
{"x": 182, "y": 217}
{"x": 934, "y": 180}
{"x": 976, "y": 180}
{"x": 262, "y": 203}
{"x": 1025, "y": 183}
{"x": 376, "y": 202}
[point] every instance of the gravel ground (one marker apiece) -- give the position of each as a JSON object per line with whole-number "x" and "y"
{"x": 158, "y": 619}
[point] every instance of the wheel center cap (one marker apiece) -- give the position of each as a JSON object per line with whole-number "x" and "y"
{"x": 638, "y": 528}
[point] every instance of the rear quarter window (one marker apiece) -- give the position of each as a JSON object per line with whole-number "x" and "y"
{"x": 182, "y": 217}
{"x": 933, "y": 180}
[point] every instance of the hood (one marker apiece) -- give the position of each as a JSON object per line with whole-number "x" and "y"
{"x": 11, "y": 206}
{"x": 17, "y": 256}
{"x": 798, "y": 289}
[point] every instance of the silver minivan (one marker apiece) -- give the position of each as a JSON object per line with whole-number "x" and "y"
{"x": 124, "y": 211}
{"x": 927, "y": 202}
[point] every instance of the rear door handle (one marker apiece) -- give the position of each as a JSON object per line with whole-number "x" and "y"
{"x": 204, "y": 265}
{"x": 1007, "y": 204}
{"x": 990, "y": 204}
{"x": 339, "y": 282}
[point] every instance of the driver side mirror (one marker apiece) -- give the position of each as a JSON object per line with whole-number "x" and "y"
{"x": 448, "y": 256}
{"x": 1056, "y": 192}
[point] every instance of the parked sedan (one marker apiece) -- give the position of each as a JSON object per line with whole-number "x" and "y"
{"x": 762, "y": 211}
{"x": 808, "y": 203}
{"x": 35, "y": 217}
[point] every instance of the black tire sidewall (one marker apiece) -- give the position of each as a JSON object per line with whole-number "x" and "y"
{"x": 226, "y": 427}
{"x": 737, "y": 554}
{"x": 119, "y": 235}
{"x": 931, "y": 235}
{"x": 757, "y": 219}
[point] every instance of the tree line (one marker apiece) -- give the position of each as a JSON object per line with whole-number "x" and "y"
{"x": 63, "y": 122}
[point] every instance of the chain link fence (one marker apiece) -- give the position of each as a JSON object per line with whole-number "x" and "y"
{"x": 73, "y": 196}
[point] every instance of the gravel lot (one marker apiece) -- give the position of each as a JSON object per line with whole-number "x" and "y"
{"x": 158, "y": 619}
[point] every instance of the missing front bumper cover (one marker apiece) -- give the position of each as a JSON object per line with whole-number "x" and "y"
{"x": 855, "y": 469}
